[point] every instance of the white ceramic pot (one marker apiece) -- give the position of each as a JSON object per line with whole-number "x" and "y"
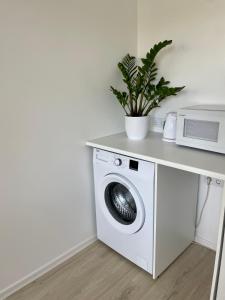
{"x": 137, "y": 127}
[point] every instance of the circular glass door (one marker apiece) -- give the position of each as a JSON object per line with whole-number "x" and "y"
{"x": 122, "y": 204}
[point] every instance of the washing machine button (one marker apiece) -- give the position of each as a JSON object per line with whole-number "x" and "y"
{"x": 118, "y": 162}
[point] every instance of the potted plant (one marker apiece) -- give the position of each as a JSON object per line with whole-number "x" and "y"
{"x": 144, "y": 91}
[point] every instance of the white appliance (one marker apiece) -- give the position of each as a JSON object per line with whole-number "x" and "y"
{"x": 169, "y": 132}
{"x": 124, "y": 193}
{"x": 202, "y": 126}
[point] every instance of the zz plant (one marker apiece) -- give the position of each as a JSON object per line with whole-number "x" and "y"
{"x": 144, "y": 92}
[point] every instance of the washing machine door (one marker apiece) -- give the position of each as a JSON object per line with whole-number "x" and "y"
{"x": 122, "y": 204}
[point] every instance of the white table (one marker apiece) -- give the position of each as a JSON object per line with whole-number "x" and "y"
{"x": 168, "y": 154}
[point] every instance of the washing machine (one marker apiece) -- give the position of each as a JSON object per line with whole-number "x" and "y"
{"x": 124, "y": 198}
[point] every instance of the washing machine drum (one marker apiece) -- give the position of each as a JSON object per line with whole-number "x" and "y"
{"x": 120, "y": 203}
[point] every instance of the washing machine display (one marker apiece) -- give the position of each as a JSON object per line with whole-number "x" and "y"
{"x": 121, "y": 203}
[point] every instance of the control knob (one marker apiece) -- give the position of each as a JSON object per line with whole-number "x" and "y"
{"x": 117, "y": 162}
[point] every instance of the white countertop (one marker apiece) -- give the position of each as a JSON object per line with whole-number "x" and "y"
{"x": 169, "y": 154}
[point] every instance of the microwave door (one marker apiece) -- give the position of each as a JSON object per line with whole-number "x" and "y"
{"x": 199, "y": 132}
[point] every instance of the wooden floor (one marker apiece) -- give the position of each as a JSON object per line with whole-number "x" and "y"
{"x": 100, "y": 273}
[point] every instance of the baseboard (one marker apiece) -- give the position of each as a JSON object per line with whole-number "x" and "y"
{"x": 45, "y": 268}
{"x": 206, "y": 243}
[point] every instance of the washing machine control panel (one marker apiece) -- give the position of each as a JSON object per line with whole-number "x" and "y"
{"x": 117, "y": 160}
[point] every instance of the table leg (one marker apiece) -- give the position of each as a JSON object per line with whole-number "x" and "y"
{"x": 219, "y": 250}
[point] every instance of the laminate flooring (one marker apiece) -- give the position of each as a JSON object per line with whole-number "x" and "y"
{"x": 99, "y": 273}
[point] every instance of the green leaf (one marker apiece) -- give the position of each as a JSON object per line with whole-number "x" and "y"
{"x": 122, "y": 97}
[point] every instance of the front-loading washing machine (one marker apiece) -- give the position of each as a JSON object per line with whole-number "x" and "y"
{"x": 124, "y": 197}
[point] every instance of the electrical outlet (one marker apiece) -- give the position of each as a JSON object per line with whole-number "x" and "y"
{"x": 157, "y": 123}
{"x": 216, "y": 182}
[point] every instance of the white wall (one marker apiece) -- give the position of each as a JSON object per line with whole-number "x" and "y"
{"x": 57, "y": 61}
{"x": 196, "y": 60}
{"x": 207, "y": 231}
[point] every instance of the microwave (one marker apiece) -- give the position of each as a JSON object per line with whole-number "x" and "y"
{"x": 202, "y": 126}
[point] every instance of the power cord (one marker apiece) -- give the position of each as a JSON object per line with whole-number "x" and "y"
{"x": 209, "y": 180}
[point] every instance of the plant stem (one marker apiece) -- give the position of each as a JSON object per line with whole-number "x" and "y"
{"x": 125, "y": 111}
{"x": 140, "y": 104}
{"x": 136, "y": 105}
{"x": 131, "y": 104}
{"x": 154, "y": 104}
{"x": 142, "y": 97}
{"x": 145, "y": 106}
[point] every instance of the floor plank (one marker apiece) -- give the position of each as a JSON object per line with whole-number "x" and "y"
{"x": 100, "y": 273}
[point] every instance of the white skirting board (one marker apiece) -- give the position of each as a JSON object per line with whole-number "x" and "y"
{"x": 204, "y": 242}
{"x": 45, "y": 268}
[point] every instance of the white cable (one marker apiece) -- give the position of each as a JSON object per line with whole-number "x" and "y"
{"x": 209, "y": 180}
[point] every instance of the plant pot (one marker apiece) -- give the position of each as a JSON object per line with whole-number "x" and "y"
{"x": 137, "y": 127}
